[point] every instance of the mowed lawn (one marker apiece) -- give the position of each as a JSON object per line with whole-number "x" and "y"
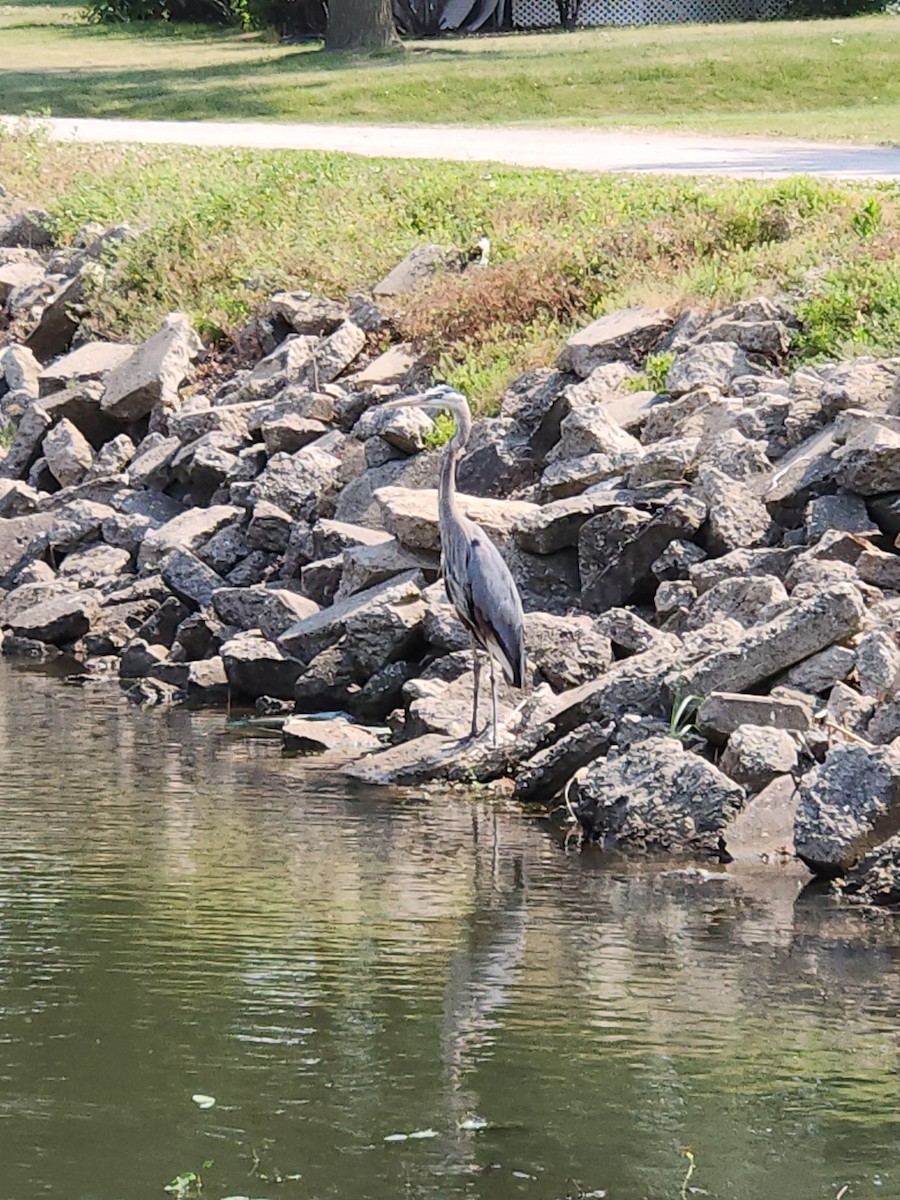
{"x": 817, "y": 79}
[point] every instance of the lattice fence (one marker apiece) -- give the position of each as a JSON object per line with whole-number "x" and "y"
{"x": 544, "y": 14}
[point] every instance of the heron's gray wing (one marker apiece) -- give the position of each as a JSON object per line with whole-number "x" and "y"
{"x": 496, "y": 605}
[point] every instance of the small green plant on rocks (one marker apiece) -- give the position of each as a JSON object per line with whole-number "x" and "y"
{"x": 681, "y": 724}
{"x": 444, "y": 429}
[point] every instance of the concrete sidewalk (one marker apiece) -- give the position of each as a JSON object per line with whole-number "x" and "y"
{"x": 558, "y": 149}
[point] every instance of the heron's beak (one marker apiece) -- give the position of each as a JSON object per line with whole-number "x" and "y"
{"x": 419, "y": 400}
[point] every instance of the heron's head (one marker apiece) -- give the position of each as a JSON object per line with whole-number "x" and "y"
{"x": 440, "y": 398}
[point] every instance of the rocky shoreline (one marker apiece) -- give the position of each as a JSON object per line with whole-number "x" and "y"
{"x": 703, "y": 535}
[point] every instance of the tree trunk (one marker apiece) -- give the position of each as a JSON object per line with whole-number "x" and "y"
{"x": 360, "y": 25}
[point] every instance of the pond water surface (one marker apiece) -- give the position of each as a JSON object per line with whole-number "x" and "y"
{"x": 184, "y": 912}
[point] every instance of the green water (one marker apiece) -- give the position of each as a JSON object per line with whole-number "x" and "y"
{"x": 182, "y": 911}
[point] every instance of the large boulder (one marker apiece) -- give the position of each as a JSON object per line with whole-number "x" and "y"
{"x": 191, "y": 530}
{"x": 257, "y": 667}
{"x": 58, "y": 620}
{"x": 68, "y": 453}
{"x": 154, "y": 372}
{"x": 658, "y": 796}
{"x": 412, "y": 516}
{"x": 848, "y": 804}
{"x": 763, "y": 651}
{"x": 627, "y": 334}
{"x": 269, "y": 609}
{"x": 384, "y": 620}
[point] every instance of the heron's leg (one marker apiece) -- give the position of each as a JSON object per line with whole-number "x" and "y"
{"x": 476, "y": 687}
{"x": 493, "y": 702}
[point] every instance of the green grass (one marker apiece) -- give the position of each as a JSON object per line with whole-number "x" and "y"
{"x": 820, "y": 79}
{"x": 221, "y": 230}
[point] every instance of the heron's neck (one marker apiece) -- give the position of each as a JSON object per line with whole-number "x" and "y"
{"x": 449, "y": 508}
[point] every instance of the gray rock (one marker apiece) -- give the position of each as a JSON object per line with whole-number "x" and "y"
{"x": 68, "y": 454}
{"x": 627, "y": 334}
{"x": 207, "y": 684}
{"x": 713, "y": 365}
{"x": 139, "y": 658}
{"x": 56, "y": 326}
{"x": 613, "y": 573}
{"x": 412, "y": 272}
{"x": 572, "y": 476}
{"x": 290, "y": 433}
{"x": 879, "y": 569}
{"x": 543, "y": 777}
{"x": 297, "y": 483}
{"x": 567, "y": 651}
{"x": 529, "y": 398}
{"x": 59, "y": 620}
{"x": 78, "y": 523}
{"x": 878, "y": 664}
{"x": 321, "y": 579}
{"x": 412, "y": 516}
{"x": 307, "y": 313}
{"x": 591, "y": 431}
{"x": 366, "y": 566}
{"x": 820, "y": 672}
{"x": 113, "y": 458}
{"x": 847, "y": 804}
{"x": 721, "y": 713}
{"x": 556, "y": 526}
{"x": 160, "y": 627}
{"x": 842, "y": 512}
{"x": 269, "y": 528}
{"x": 271, "y": 610}
{"x": 737, "y": 518}
{"x": 192, "y": 581}
{"x": 189, "y": 531}
{"x": 768, "y": 338}
{"x": 126, "y": 530}
{"x": 257, "y": 567}
{"x": 356, "y": 503}
{"x": 154, "y": 372}
{"x": 25, "y": 446}
{"x": 93, "y": 564}
{"x": 151, "y": 466}
{"x": 255, "y": 666}
{"x": 91, "y": 361}
{"x": 748, "y": 599}
{"x": 673, "y": 601}
{"x": 385, "y": 618}
{"x": 766, "y": 650}
{"x": 869, "y": 461}
{"x": 876, "y": 879}
{"x": 26, "y": 595}
{"x": 19, "y": 277}
{"x": 197, "y": 636}
{"x": 672, "y": 458}
{"x": 864, "y": 383}
{"x": 336, "y": 738}
{"x": 225, "y": 549}
{"x": 805, "y": 472}
{"x": 676, "y": 561}
{"x": 20, "y": 369}
{"x": 707, "y": 573}
{"x": 658, "y": 796}
{"x": 631, "y": 634}
{"x": 755, "y": 755}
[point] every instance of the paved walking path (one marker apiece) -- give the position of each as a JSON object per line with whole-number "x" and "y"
{"x": 571, "y": 149}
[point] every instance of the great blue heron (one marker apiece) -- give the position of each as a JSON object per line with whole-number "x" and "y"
{"x": 478, "y": 582}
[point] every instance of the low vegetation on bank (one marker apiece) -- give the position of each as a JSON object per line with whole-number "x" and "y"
{"x": 221, "y": 230}
{"x": 820, "y": 79}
